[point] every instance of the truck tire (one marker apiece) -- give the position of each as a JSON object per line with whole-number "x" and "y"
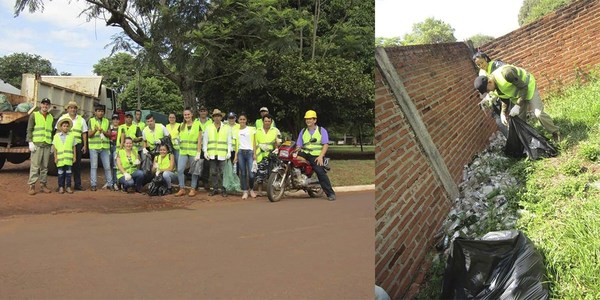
{"x": 2, "y": 160}
{"x": 52, "y": 169}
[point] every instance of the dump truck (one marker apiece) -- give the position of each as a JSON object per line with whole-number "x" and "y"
{"x": 87, "y": 91}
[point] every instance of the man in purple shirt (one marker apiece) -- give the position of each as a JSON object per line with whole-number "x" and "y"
{"x": 314, "y": 142}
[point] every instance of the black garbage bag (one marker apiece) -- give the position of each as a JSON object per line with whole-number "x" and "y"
{"x": 147, "y": 163}
{"x": 523, "y": 140}
{"x": 158, "y": 186}
{"x": 502, "y": 265}
{"x": 164, "y": 141}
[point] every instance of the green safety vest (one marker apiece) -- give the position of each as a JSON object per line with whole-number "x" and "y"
{"x": 77, "y": 127}
{"x": 163, "y": 163}
{"x": 151, "y": 137}
{"x": 64, "y": 151}
{"x": 268, "y": 138}
{"x": 189, "y": 139}
{"x": 95, "y": 142}
{"x": 42, "y": 130}
{"x": 217, "y": 141}
{"x": 313, "y": 148}
{"x": 174, "y": 134}
{"x": 129, "y": 132}
{"x": 509, "y": 90}
{"x": 127, "y": 164}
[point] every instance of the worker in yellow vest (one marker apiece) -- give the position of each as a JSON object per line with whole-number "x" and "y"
{"x": 203, "y": 120}
{"x": 190, "y": 145}
{"x": 234, "y": 127}
{"x": 79, "y": 130}
{"x": 152, "y": 134}
{"x": 314, "y": 142}
{"x": 217, "y": 148}
{"x": 518, "y": 85}
{"x": 137, "y": 121}
{"x": 164, "y": 163}
{"x": 267, "y": 138}
{"x": 128, "y": 163}
{"x": 39, "y": 136}
{"x": 63, "y": 146}
{"x": 131, "y": 131}
{"x": 259, "y": 122}
{"x": 99, "y": 144}
{"x": 173, "y": 129}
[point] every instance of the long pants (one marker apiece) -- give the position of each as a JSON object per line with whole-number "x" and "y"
{"x": 113, "y": 161}
{"x": 181, "y": 164}
{"x": 216, "y": 173}
{"x": 537, "y": 106}
{"x": 169, "y": 177}
{"x": 64, "y": 176}
{"x": 77, "y": 165}
{"x": 176, "y": 155}
{"x": 321, "y": 174}
{"x": 137, "y": 181}
{"x": 39, "y": 164}
{"x": 105, "y": 157}
{"x": 245, "y": 160}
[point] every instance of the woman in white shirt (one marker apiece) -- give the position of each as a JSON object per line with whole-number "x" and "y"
{"x": 245, "y": 155}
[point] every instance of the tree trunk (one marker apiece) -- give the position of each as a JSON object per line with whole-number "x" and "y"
{"x": 188, "y": 93}
{"x": 360, "y": 137}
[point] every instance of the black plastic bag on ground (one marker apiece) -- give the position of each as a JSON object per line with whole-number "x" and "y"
{"x": 502, "y": 265}
{"x": 158, "y": 186}
{"x": 523, "y": 140}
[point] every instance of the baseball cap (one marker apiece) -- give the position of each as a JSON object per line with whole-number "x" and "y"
{"x": 129, "y": 115}
{"x": 263, "y": 109}
{"x": 45, "y": 100}
{"x": 481, "y": 84}
{"x": 115, "y": 116}
{"x": 231, "y": 115}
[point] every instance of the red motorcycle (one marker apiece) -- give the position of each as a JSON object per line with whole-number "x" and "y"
{"x": 292, "y": 172}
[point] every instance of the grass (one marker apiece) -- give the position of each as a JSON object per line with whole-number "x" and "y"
{"x": 350, "y": 148}
{"x": 352, "y": 172}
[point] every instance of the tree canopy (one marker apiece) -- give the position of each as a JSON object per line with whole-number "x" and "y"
{"x": 388, "y": 42}
{"x": 480, "y": 39}
{"x": 430, "y": 31}
{"x": 14, "y": 65}
{"x": 532, "y": 10}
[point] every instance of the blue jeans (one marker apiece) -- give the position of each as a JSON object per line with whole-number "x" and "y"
{"x": 169, "y": 177}
{"x": 105, "y": 157}
{"x": 245, "y": 159}
{"x": 137, "y": 181}
{"x": 64, "y": 176}
{"x": 183, "y": 159}
{"x": 113, "y": 162}
{"x": 176, "y": 155}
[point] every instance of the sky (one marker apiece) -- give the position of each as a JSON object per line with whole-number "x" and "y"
{"x": 69, "y": 42}
{"x": 395, "y": 18}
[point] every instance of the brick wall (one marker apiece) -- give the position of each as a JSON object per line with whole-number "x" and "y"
{"x": 556, "y": 48}
{"x": 410, "y": 202}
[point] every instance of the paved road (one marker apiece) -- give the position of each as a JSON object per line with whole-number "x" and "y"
{"x": 294, "y": 249}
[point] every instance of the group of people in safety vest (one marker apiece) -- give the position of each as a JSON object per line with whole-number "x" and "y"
{"x": 122, "y": 147}
{"x": 512, "y": 91}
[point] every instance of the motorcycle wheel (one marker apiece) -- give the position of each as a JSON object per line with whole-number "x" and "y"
{"x": 315, "y": 192}
{"x": 276, "y": 186}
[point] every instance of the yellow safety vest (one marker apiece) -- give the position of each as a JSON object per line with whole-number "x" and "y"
{"x": 151, "y": 137}
{"x": 203, "y": 125}
{"x": 313, "y": 148}
{"x": 163, "y": 163}
{"x": 76, "y": 129}
{"x": 189, "y": 139}
{"x": 173, "y": 130}
{"x": 95, "y": 142}
{"x": 129, "y": 132}
{"x": 128, "y": 164}
{"x": 217, "y": 141}
{"x": 64, "y": 150}
{"x": 42, "y": 130}
{"x": 509, "y": 90}
{"x": 268, "y": 138}
{"x": 259, "y": 123}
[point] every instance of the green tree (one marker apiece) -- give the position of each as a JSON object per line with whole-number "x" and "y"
{"x": 388, "y": 42}
{"x": 430, "y": 31}
{"x": 14, "y": 65}
{"x": 532, "y": 10}
{"x": 117, "y": 70}
{"x": 156, "y": 94}
{"x": 480, "y": 39}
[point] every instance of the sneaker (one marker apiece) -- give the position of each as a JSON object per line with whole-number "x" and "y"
{"x": 61, "y": 190}
{"x": 45, "y": 189}
{"x": 192, "y": 193}
{"x": 252, "y": 194}
{"x": 115, "y": 187}
{"x": 180, "y": 193}
{"x": 331, "y": 197}
{"x": 245, "y": 195}
{"x": 556, "y": 136}
{"x": 92, "y": 188}
{"x": 31, "y": 189}
{"x": 69, "y": 190}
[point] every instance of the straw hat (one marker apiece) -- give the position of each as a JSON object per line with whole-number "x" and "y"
{"x": 65, "y": 119}
{"x": 217, "y": 112}
{"x": 72, "y": 103}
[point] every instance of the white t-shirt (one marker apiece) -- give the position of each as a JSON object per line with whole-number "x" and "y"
{"x": 245, "y": 139}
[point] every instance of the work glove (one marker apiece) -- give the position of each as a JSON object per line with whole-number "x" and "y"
{"x": 276, "y": 151}
{"x": 32, "y": 147}
{"x": 515, "y": 110}
{"x": 136, "y": 162}
{"x": 228, "y": 155}
{"x": 197, "y": 157}
{"x": 206, "y": 156}
{"x": 127, "y": 176}
{"x": 263, "y": 147}
{"x": 176, "y": 142}
{"x": 145, "y": 151}
{"x": 157, "y": 143}
{"x": 254, "y": 166}
{"x": 157, "y": 172}
{"x": 102, "y": 137}
{"x": 503, "y": 119}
